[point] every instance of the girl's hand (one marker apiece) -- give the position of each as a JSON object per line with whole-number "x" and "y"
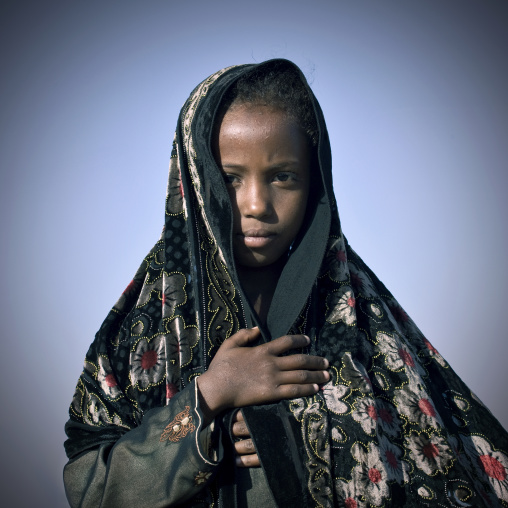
{"x": 244, "y": 447}
{"x": 243, "y": 376}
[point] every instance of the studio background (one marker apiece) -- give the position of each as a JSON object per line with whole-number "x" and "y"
{"x": 414, "y": 94}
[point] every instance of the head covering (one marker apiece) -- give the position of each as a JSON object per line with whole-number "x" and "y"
{"x": 394, "y": 426}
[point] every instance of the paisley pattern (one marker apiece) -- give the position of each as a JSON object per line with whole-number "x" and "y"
{"x": 395, "y": 426}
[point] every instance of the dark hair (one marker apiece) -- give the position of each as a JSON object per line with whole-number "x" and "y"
{"x": 277, "y": 84}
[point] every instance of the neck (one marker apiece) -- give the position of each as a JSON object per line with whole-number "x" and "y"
{"x": 259, "y": 285}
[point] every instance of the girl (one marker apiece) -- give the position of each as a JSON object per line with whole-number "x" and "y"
{"x": 253, "y": 335}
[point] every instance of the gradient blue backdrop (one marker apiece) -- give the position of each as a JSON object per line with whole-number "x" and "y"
{"x": 414, "y": 93}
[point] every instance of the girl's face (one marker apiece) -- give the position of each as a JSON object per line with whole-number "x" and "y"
{"x": 265, "y": 158}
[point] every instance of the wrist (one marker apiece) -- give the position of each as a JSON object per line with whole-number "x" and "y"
{"x": 207, "y": 395}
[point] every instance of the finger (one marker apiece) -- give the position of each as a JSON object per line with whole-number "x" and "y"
{"x": 303, "y": 377}
{"x": 243, "y": 337}
{"x": 239, "y": 429}
{"x": 238, "y": 416}
{"x": 245, "y": 447}
{"x": 302, "y": 362}
{"x": 287, "y": 343}
{"x": 295, "y": 391}
{"x": 247, "y": 460}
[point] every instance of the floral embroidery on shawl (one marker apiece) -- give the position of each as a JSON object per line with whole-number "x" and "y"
{"x": 179, "y": 427}
{"x": 202, "y": 477}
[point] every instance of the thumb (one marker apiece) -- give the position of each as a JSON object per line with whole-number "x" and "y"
{"x": 244, "y": 337}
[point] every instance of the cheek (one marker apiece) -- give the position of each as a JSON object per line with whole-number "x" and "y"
{"x": 294, "y": 212}
{"x": 233, "y": 200}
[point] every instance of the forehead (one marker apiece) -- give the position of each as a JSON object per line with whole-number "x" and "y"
{"x": 243, "y": 113}
{"x": 257, "y": 128}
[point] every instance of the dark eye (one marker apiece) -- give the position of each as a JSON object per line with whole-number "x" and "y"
{"x": 284, "y": 177}
{"x": 229, "y": 179}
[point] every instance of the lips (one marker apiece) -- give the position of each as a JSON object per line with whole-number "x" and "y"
{"x": 256, "y": 238}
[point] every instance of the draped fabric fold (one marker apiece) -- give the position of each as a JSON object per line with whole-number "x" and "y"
{"x": 394, "y": 426}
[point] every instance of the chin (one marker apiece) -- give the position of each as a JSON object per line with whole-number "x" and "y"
{"x": 254, "y": 260}
{"x": 260, "y": 258}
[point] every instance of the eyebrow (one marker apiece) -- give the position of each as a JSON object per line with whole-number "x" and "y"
{"x": 279, "y": 165}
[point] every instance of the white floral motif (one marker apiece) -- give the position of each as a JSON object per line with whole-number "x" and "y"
{"x": 348, "y": 495}
{"x": 417, "y": 405}
{"x": 431, "y": 454}
{"x": 491, "y": 464}
{"x": 391, "y": 455}
{"x": 95, "y": 413}
{"x": 365, "y": 413}
{"x": 148, "y": 362}
{"x": 171, "y": 289}
{"x": 107, "y": 379}
{"x": 336, "y": 259}
{"x": 342, "y": 304}
{"x": 398, "y": 355}
{"x": 173, "y": 293}
{"x": 181, "y": 340}
{"x": 371, "y": 413}
{"x": 333, "y": 395}
{"x": 370, "y": 474}
{"x": 432, "y": 352}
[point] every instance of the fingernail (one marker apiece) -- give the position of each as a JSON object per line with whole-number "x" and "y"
{"x": 238, "y": 461}
{"x": 327, "y": 363}
{"x": 308, "y": 338}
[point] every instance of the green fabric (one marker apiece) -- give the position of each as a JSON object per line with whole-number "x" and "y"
{"x": 147, "y": 466}
{"x": 395, "y": 426}
{"x": 252, "y": 488}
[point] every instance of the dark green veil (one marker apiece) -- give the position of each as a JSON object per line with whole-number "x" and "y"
{"x": 395, "y": 426}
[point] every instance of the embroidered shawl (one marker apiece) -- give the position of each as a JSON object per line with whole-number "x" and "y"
{"x": 395, "y": 426}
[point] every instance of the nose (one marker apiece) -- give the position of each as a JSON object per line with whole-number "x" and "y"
{"x": 255, "y": 200}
